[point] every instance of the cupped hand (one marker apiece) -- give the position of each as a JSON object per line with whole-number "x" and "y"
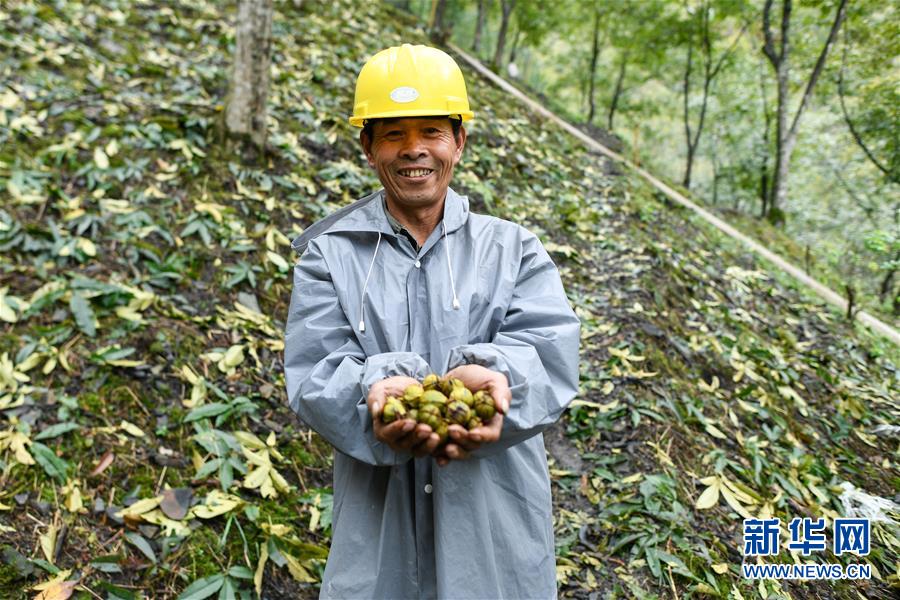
{"x": 403, "y": 435}
{"x": 463, "y": 442}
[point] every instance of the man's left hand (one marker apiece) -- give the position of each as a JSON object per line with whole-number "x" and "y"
{"x": 476, "y": 377}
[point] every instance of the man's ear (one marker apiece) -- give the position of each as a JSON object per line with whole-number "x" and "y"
{"x": 460, "y": 144}
{"x": 366, "y": 142}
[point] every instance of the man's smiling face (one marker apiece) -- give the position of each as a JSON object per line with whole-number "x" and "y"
{"x": 414, "y": 157}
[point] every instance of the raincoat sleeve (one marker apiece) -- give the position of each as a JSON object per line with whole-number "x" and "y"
{"x": 536, "y": 348}
{"x": 327, "y": 372}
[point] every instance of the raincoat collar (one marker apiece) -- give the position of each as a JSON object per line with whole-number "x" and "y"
{"x": 366, "y": 214}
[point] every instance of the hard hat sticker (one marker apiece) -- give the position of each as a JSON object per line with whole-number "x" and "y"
{"x": 402, "y": 95}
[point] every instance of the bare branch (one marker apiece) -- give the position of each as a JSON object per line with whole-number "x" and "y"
{"x": 820, "y": 64}
{"x": 769, "y": 46}
{"x": 847, "y": 119}
{"x": 867, "y": 208}
{"x": 786, "y": 7}
{"x": 728, "y": 52}
{"x": 687, "y": 91}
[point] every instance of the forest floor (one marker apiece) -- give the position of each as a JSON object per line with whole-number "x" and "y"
{"x": 146, "y": 444}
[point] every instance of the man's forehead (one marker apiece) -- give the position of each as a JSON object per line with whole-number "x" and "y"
{"x": 412, "y": 121}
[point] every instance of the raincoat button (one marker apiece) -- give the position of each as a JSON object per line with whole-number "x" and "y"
{"x": 418, "y": 264}
{"x": 428, "y": 488}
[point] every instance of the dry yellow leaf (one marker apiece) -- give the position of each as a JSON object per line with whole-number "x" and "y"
{"x": 100, "y": 158}
{"x": 260, "y": 567}
{"x": 48, "y": 543}
{"x": 709, "y": 497}
{"x": 131, "y": 428}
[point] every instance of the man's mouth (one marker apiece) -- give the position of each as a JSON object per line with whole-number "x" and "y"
{"x": 414, "y": 173}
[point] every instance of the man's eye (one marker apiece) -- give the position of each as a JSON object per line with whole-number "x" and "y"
{"x": 432, "y": 130}
{"x": 393, "y": 134}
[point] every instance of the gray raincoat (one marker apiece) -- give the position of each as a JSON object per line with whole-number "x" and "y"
{"x": 366, "y": 306}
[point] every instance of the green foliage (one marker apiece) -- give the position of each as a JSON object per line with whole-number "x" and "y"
{"x": 840, "y": 193}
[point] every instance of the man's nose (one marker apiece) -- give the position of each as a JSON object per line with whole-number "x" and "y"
{"x": 413, "y": 147}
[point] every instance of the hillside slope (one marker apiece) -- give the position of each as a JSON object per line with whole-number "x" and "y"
{"x": 144, "y": 284}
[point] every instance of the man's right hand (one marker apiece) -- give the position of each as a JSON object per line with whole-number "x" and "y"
{"x": 403, "y": 435}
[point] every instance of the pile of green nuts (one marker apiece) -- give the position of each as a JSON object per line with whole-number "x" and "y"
{"x": 440, "y": 402}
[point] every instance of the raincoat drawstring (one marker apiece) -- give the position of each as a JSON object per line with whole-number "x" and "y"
{"x": 449, "y": 268}
{"x": 362, "y": 300}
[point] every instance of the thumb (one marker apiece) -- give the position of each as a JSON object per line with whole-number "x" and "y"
{"x": 375, "y": 402}
{"x": 503, "y": 399}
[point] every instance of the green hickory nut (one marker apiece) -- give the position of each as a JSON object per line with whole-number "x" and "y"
{"x": 462, "y": 394}
{"x": 458, "y": 413}
{"x": 434, "y": 397}
{"x": 430, "y": 415}
{"x": 412, "y": 395}
{"x": 446, "y": 385}
{"x": 484, "y": 405}
{"x": 431, "y": 381}
{"x": 442, "y": 431}
{"x": 393, "y": 410}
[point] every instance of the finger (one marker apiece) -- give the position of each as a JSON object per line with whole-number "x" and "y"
{"x": 391, "y": 432}
{"x": 376, "y": 402}
{"x": 419, "y": 435}
{"x": 461, "y": 438}
{"x": 407, "y": 439}
{"x": 455, "y": 452}
{"x": 442, "y": 461}
{"x": 426, "y": 447}
{"x": 375, "y": 408}
{"x": 502, "y": 395}
{"x": 457, "y": 432}
{"x": 490, "y": 431}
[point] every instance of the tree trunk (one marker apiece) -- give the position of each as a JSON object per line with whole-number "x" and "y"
{"x": 592, "y": 73}
{"x": 245, "y": 115}
{"x": 620, "y": 80}
{"x": 506, "y": 10}
{"x": 715, "y": 166}
{"x": 786, "y": 136}
{"x": 764, "y": 154}
{"x": 686, "y": 181}
{"x": 479, "y": 27}
{"x": 784, "y": 144}
{"x": 515, "y": 45}
{"x": 887, "y": 284}
{"x": 437, "y": 16}
{"x": 710, "y": 71}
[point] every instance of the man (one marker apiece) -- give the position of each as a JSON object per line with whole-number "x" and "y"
{"x": 403, "y": 283}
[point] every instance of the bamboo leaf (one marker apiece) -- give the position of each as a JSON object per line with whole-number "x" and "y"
{"x": 84, "y": 315}
{"x": 709, "y": 497}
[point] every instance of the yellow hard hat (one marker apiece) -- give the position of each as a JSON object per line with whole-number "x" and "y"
{"x": 410, "y": 81}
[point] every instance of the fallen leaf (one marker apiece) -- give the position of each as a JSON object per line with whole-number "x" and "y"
{"x": 105, "y": 461}
{"x": 709, "y": 497}
{"x": 100, "y": 158}
{"x": 131, "y": 428}
{"x": 260, "y": 567}
{"x": 176, "y": 502}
